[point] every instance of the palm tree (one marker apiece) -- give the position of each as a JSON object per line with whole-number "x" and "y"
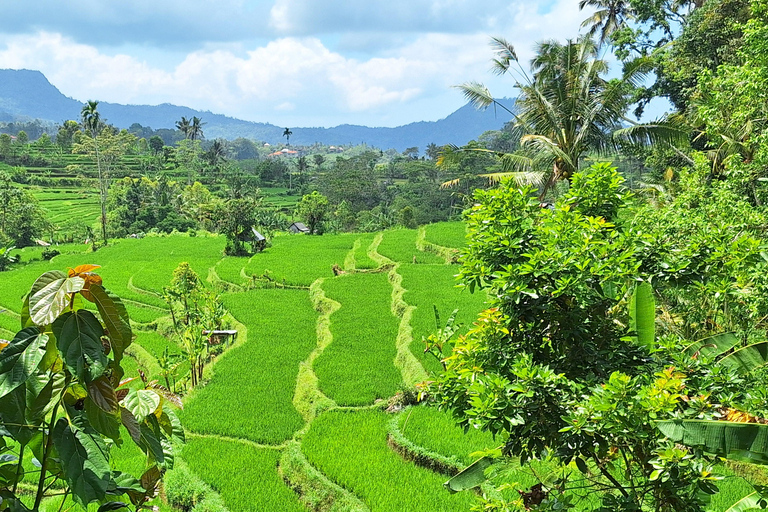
{"x": 564, "y": 110}
{"x": 217, "y": 153}
{"x": 287, "y": 134}
{"x": 196, "y": 128}
{"x": 91, "y": 120}
{"x": 183, "y": 126}
{"x": 609, "y": 16}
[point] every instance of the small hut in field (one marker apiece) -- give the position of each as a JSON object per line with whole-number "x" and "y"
{"x": 298, "y": 227}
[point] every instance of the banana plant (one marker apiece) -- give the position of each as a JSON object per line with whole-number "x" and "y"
{"x": 64, "y": 400}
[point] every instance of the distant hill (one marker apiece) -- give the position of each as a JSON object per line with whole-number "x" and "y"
{"x": 26, "y": 93}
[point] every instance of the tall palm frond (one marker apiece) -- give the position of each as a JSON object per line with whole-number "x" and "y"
{"x": 609, "y": 16}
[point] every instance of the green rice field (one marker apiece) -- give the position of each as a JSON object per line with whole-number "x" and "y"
{"x": 316, "y": 359}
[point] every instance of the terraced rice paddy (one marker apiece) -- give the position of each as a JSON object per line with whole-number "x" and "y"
{"x": 358, "y": 367}
{"x": 314, "y": 363}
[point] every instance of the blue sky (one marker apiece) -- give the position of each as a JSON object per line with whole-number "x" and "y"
{"x": 288, "y": 62}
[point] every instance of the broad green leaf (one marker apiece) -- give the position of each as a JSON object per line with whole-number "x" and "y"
{"x": 713, "y": 346}
{"x": 26, "y": 320}
{"x": 151, "y": 439}
{"x": 177, "y": 430}
{"x": 85, "y": 461}
{"x": 748, "y": 503}
{"x": 131, "y": 425}
{"x": 13, "y": 413}
{"x": 124, "y": 482}
{"x": 115, "y": 317}
{"x": 50, "y": 295}
{"x": 141, "y": 403}
{"x": 43, "y": 391}
{"x": 103, "y": 394}
{"x": 747, "y": 358}
{"x": 107, "y": 424}
{"x": 733, "y": 440}
{"x": 79, "y": 339}
{"x": 19, "y": 359}
{"x": 470, "y": 477}
{"x": 642, "y": 314}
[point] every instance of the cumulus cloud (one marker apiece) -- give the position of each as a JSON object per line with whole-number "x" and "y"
{"x": 377, "y": 77}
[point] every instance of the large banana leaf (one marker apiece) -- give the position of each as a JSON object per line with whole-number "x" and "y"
{"x": 749, "y": 503}
{"x": 748, "y": 358}
{"x": 713, "y": 346}
{"x": 642, "y": 314}
{"x": 732, "y": 440}
{"x": 471, "y": 476}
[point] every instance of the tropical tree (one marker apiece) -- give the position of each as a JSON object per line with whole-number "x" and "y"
{"x": 609, "y": 16}
{"x": 195, "y": 128}
{"x": 91, "y": 118}
{"x": 216, "y": 154}
{"x": 565, "y": 109}
{"x": 183, "y": 125}
{"x": 313, "y": 208}
{"x": 287, "y": 134}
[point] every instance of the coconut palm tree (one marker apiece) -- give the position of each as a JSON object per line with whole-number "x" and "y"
{"x": 183, "y": 126}
{"x": 196, "y": 128}
{"x": 287, "y": 134}
{"x": 564, "y": 110}
{"x": 609, "y": 16}
{"x": 91, "y": 120}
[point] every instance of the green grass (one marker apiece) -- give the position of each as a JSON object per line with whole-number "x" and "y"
{"x": 351, "y": 449}
{"x": 447, "y": 234}
{"x": 358, "y": 365}
{"x": 245, "y": 476}
{"x": 435, "y": 285}
{"x": 399, "y": 245}
{"x": 251, "y": 393}
{"x": 300, "y": 259}
{"x": 436, "y": 431}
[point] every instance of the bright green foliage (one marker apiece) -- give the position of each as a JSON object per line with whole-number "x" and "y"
{"x": 350, "y": 448}
{"x": 245, "y": 476}
{"x": 59, "y": 397}
{"x": 555, "y": 273}
{"x": 358, "y": 367}
{"x": 253, "y": 384}
{"x": 313, "y": 209}
{"x": 704, "y": 253}
{"x": 552, "y": 367}
{"x": 21, "y": 218}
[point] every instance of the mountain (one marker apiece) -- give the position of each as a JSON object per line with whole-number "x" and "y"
{"x": 26, "y": 93}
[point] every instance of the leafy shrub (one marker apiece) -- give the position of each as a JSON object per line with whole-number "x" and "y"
{"x": 48, "y": 253}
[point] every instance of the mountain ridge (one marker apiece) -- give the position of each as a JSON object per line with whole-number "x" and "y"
{"x": 28, "y": 93}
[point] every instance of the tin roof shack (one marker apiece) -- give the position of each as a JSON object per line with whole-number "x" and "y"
{"x": 298, "y": 227}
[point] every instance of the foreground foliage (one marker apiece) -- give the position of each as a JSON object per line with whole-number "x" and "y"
{"x": 63, "y": 402}
{"x": 560, "y": 369}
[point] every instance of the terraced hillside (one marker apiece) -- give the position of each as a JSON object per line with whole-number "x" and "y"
{"x": 317, "y": 355}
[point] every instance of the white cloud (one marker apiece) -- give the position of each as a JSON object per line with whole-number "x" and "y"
{"x": 299, "y": 81}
